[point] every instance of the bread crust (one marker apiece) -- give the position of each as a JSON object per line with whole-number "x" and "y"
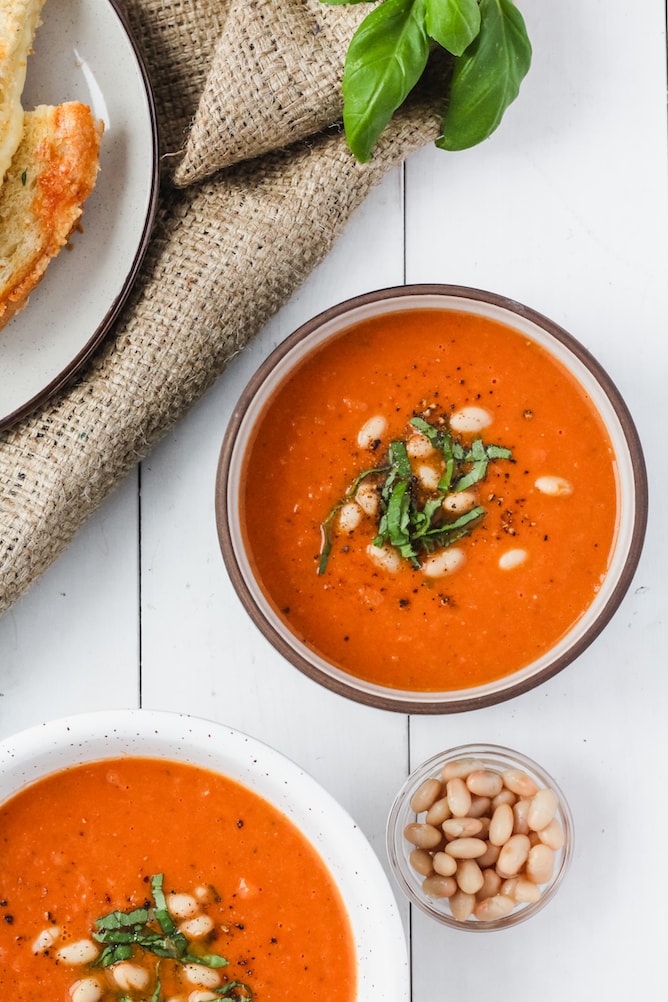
{"x": 19, "y": 20}
{"x": 52, "y": 174}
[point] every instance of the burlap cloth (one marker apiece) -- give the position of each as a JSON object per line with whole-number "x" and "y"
{"x": 250, "y": 83}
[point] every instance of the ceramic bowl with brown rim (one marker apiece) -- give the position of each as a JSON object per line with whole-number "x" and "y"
{"x": 431, "y": 498}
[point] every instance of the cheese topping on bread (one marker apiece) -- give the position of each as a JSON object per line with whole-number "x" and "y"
{"x": 52, "y": 174}
{"x": 18, "y": 22}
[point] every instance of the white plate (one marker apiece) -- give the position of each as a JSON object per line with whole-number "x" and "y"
{"x": 83, "y": 52}
{"x": 382, "y": 964}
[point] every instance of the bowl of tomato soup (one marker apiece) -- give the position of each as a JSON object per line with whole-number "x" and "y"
{"x": 157, "y": 856}
{"x": 431, "y": 498}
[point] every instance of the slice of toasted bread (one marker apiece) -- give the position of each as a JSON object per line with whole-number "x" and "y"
{"x": 52, "y": 173}
{"x": 19, "y": 20}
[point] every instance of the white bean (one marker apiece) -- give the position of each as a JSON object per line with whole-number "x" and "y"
{"x": 491, "y": 883}
{"x": 86, "y": 990}
{"x": 426, "y": 795}
{"x": 555, "y": 487}
{"x": 511, "y": 559}
{"x": 423, "y": 836}
{"x": 371, "y": 431}
{"x": 553, "y": 835}
{"x": 484, "y": 783}
{"x": 501, "y": 825}
{"x": 526, "y": 891}
{"x": 461, "y": 827}
{"x": 46, "y": 939}
{"x": 542, "y": 808}
{"x": 505, "y": 797}
{"x": 422, "y": 862}
{"x": 519, "y": 782}
{"x": 428, "y": 476}
{"x": 197, "y": 927}
{"x": 540, "y": 864}
{"x": 459, "y": 502}
{"x": 521, "y": 814}
{"x": 468, "y": 847}
{"x": 513, "y": 855}
{"x": 349, "y": 517}
{"x": 444, "y": 864}
{"x": 496, "y": 907}
{"x": 459, "y": 797}
{"x": 445, "y": 562}
{"x": 438, "y": 812}
{"x": 470, "y": 419}
{"x": 205, "y": 893}
{"x": 489, "y": 857}
{"x": 203, "y": 996}
{"x": 462, "y": 905}
{"x": 439, "y": 887}
{"x": 460, "y": 768}
{"x": 480, "y": 807}
{"x": 203, "y": 977}
{"x": 130, "y": 976}
{"x": 366, "y": 497}
{"x": 469, "y": 876}
{"x": 182, "y": 905}
{"x": 82, "y": 951}
{"x": 387, "y": 558}
{"x": 418, "y": 446}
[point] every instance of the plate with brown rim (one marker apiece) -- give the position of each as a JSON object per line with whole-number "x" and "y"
{"x": 84, "y": 51}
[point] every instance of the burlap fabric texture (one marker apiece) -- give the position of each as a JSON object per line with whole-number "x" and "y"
{"x": 225, "y": 253}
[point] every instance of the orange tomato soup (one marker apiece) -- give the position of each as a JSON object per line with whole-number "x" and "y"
{"x": 401, "y": 629}
{"x": 86, "y": 841}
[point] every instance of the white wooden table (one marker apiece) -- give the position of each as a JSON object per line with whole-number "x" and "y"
{"x": 564, "y": 209}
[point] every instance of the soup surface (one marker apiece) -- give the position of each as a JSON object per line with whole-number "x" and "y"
{"x": 526, "y": 570}
{"x": 85, "y": 842}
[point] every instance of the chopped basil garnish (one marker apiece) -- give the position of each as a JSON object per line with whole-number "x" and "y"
{"x": 413, "y": 524}
{"x": 152, "y": 929}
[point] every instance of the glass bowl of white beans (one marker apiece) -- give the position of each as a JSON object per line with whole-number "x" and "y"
{"x": 480, "y": 837}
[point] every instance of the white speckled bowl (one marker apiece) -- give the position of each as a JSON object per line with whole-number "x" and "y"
{"x": 382, "y": 966}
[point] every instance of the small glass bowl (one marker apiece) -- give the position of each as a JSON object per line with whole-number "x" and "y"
{"x": 403, "y": 813}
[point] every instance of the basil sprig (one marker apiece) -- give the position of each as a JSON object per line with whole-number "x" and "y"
{"x": 412, "y": 526}
{"x": 489, "y": 49}
{"x": 152, "y": 929}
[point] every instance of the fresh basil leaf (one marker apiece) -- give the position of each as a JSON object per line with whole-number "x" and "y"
{"x": 207, "y": 960}
{"x": 449, "y": 460}
{"x": 452, "y": 532}
{"x": 498, "y": 452}
{"x": 123, "y": 920}
{"x": 155, "y": 997}
{"x": 234, "y": 989}
{"x": 487, "y": 76}
{"x": 326, "y": 527}
{"x": 385, "y": 59}
{"x": 428, "y": 430}
{"x": 477, "y": 473}
{"x": 112, "y": 954}
{"x": 397, "y": 514}
{"x": 399, "y": 458}
{"x": 453, "y": 23}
